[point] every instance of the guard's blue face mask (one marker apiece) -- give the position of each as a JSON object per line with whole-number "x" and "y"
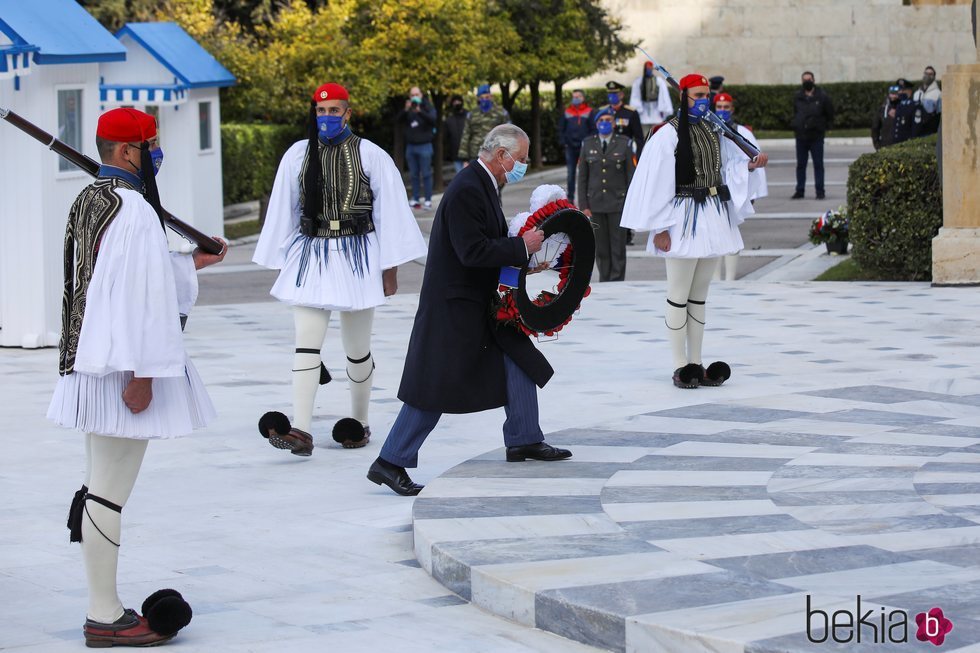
{"x": 726, "y": 116}
{"x": 157, "y": 157}
{"x": 613, "y": 98}
{"x": 485, "y": 105}
{"x": 329, "y": 126}
{"x": 604, "y": 127}
{"x": 699, "y": 110}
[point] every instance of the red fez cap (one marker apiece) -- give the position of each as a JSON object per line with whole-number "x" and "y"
{"x": 692, "y": 80}
{"x": 124, "y": 125}
{"x": 330, "y": 91}
{"x": 724, "y": 97}
{"x": 648, "y": 64}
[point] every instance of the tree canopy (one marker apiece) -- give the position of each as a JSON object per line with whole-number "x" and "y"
{"x": 282, "y": 49}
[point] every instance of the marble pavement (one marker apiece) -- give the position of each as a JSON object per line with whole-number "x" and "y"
{"x": 842, "y": 458}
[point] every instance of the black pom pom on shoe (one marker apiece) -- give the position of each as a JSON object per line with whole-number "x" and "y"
{"x": 717, "y": 373}
{"x": 274, "y": 421}
{"x": 348, "y": 431}
{"x": 688, "y": 376}
{"x": 166, "y": 611}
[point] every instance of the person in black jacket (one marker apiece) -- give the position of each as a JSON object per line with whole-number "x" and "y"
{"x": 883, "y": 122}
{"x": 455, "y": 121}
{"x": 460, "y": 360}
{"x": 814, "y": 112}
{"x": 418, "y": 120}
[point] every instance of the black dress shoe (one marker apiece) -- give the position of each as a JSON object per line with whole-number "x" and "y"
{"x": 798, "y": 195}
{"x": 394, "y": 477}
{"x": 821, "y": 196}
{"x": 537, "y": 451}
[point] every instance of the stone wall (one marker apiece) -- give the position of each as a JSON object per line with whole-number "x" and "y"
{"x": 773, "y": 41}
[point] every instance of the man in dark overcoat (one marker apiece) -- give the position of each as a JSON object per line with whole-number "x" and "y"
{"x": 460, "y": 360}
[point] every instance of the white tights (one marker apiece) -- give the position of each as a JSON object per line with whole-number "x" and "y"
{"x": 687, "y": 291}
{"x": 355, "y": 334}
{"x": 112, "y": 465}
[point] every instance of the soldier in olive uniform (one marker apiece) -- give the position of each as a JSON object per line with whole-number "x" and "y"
{"x": 605, "y": 169}
{"x": 478, "y": 124}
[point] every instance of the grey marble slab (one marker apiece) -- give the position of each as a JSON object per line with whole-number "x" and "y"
{"x": 880, "y": 449}
{"x": 491, "y": 552}
{"x": 607, "y": 438}
{"x": 440, "y": 508}
{"x": 861, "y": 416}
{"x": 595, "y": 614}
{"x": 711, "y": 463}
{"x": 682, "y": 493}
{"x": 841, "y": 471}
{"x": 843, "y": 498}
{"x": 955, "y": 430}
{"x": 533, "y": 469}
{"x": 670, "y": 529}
{"x": 961, "y": 556}
{"x": 947, "y": 488}
{"x": 812, "y": 561}
{"x": 730, "y": 413}
{"x": 888, "y": 524}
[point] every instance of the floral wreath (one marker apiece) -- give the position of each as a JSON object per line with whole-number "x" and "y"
{"x": 506, "y": 311}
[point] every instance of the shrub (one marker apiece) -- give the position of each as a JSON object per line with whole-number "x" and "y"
{"x": 771, "y": 107}
{"x": 250, "y": 156}
{"x": 894, "y": 201}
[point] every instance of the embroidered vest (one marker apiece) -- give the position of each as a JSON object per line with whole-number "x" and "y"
{"x": 706, "y": 145}
{"x": 90, "y": 215}
{"x": 347, "y": 197}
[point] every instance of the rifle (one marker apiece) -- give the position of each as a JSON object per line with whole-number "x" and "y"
{"x": 716, "y": 123}
{"x": 206, "y": 243}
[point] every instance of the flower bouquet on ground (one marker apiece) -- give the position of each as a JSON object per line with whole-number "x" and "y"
{"x": 832, "y": 229}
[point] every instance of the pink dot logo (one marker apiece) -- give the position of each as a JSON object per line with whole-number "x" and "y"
{"x": 933, "y": 626}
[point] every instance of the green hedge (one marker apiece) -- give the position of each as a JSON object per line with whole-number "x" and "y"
{"x": 771, "y": 107}
{"x": 250, "y": 156}
{"x": 895, "y": 203}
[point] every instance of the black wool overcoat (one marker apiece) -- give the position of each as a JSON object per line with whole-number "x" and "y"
{"x": 455, "y": 360}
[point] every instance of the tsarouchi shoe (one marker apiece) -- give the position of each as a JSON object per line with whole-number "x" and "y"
{"x": 128, "y": 630}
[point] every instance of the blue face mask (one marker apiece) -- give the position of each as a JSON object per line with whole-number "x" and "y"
{"x": 726, "y": 116}
{"x": 613, "y": 98}
{"x": 576, "y": 101}
{"x": 604, "y": 127}
{"x": 485, "y": 105}
{"x": 516, "y": 173}
{"x": 699, "y": 109}
{"x": 157, "y": 157}
{"x": 329, "y": 126}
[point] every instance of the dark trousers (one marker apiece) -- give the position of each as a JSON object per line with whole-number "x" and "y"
{"x": 419, "y": 157}
{"x": 610, "y": 246}
{"x": 809, "y": 147}
{"x": 521, "y": 426}
{"x": 571, "y": 161}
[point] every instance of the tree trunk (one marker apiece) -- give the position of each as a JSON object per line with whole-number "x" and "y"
{"x": 507, "y": 97}
{"x": 536, "y": 159}
{"x": 439, "y": 149}
{"x": 399, "y": 145}
{"x": 559, "y": 107}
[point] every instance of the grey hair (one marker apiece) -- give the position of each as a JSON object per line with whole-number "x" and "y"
{"x": 506, "y": 136}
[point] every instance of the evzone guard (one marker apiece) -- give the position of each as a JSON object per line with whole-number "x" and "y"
{"x": 125, "y": 377}
{"x": 691, "y": 191}
{"x": 337, "y": 229}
